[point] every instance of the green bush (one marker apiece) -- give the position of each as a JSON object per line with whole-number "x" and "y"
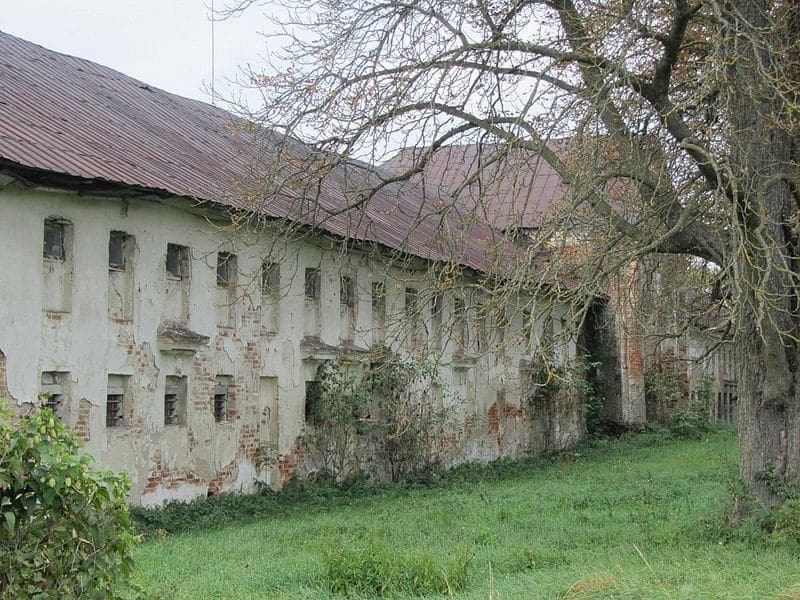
{"x": 375, "y": 570}
{"x": 787, "y": 520}
{"x": 64, "y": 526}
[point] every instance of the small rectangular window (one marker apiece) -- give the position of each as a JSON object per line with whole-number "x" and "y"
{"x": 177, "y": 261}
{"x": 347, "y": 291}
{"x": 412, "y": 303}
{"x": 437, "y": 307}
{"x": 547, "y": 338}
{"x": 378, "y": 301}
{"x": 118, "y": 250}
{"x": 378, "y": 312}
{"x": 270, "y": 278}
{"x": 53, "y": 391}
{"x": 226, "y": 269}
{"x": 175, "y": 401}
{"x": 221, "y": 393}
{"x": 527, "y": 329}
{"x": 460, "y": 324}
{"x": 54, "y": 237}
{"x": 115, "y": 401}
{"x": 312, "y": 284}
{"x": 313, "y": 395}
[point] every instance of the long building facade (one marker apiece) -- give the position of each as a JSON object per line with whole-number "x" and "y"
{"x": 178, "y": 347}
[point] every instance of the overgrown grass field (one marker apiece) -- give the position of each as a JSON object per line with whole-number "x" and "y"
{"x": 635, "y": 518}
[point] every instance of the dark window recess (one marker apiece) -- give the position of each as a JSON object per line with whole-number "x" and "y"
{"x": 226, "y": 269}
{"x": 177, "y": 261}
{"x": 52, "y": 391}
{"x": 114, "y": 410}
{"x": 116, "y": 250}
{"x": 270, "y": 277}
{"x": 54, "y": 240}
{"x": 378, "y": 298}
{"x": 528, "y": 328}
{"x": 347, "y": 291}
{"x": 53, "y": 402}
{"x": 412, "y": 303}
{"x": 171, "y": 405}
{"x": 220, "y": 403}
{"x": 436, "y": 306}
{"x": 312, "y": 284}
{"x": 313, "y": 402}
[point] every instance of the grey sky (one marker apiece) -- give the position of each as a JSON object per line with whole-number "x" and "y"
{"x": 166, "y": 43}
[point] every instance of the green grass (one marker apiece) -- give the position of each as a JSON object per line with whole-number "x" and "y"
{"x": 623, "y": 520}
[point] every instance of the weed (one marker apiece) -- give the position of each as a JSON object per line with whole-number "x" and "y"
{"x": 375, "y": 569}
{"x": 586, "y": 587}
{"x": 787, "y": 520}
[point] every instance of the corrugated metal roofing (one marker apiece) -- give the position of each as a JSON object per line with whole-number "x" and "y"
{"x": 512, "y": 188}
{"x": 70, "y": 116}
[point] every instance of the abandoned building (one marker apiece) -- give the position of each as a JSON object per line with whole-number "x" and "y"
{"x": 178, "y": 347}
{"x": 516, "y": 192}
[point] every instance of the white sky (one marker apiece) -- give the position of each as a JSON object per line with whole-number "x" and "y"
{"x": 166, "y": 43}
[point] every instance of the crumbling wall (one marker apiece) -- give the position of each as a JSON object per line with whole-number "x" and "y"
{"x": 90, "y": 341}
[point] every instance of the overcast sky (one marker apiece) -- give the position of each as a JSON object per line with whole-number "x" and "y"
{"x": 166, "y": 43}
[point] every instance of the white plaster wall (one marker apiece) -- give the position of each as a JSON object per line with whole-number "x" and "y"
{"x": 182, "y": 462}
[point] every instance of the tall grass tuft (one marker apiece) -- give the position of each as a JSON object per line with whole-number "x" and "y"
{"x": 374, "y": 569}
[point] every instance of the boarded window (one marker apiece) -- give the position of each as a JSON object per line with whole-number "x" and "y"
{"x": 347, "y": 306}
{"x": 378, "y": 311}
{"x": 115, "y": 400}
{"x": 416, "y": 328}
{"x": 53, "y": 390}
{"x": 175, "y": 401}
{"x": 311, "y": 314}
{"x": 412, "y": 303}
{"x": 437, "y": 307}
{"x": 221, "y": 398}
{"x": 270, "y": 278}
{"x": 119, "y": 244}
{"x": 501, "y": 325}
{"x": 270, "y": 294}
{"x": 57, "y": 265}
{"x": 54, "y": 239}
{"x": 378, "y": 303}
{"x": 120, "y": 275}
{"x": 312, "y": 284}
{"x": 177, "y": 261}
{"x": 527, "y": 329}
{"x": 313, "y": 398}
{"x": 460, "y": 330}
{"x": 347, "y": 291}
{"x": 226, "y": 269}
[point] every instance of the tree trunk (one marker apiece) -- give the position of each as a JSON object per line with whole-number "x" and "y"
{"x": 766, "y": 267}
{"x": 769, "y": 431}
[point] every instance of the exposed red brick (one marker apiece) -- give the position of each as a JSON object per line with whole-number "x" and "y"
{"x": 81, "y": 428}
{"x": 3, "y": 382}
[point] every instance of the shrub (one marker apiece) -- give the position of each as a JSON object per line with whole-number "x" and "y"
{"x": 373, "y": 569}
{"x": 787, "y": 520}
{"x": 379, "y": 417}
{"x": 64, "y": 526}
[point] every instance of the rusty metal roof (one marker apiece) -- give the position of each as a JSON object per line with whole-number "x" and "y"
{"x": 69, "y": 116}
{"x": 511, "y": 188}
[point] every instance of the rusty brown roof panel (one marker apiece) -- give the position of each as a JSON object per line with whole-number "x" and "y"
{"x": 509, "y": 187}
{"x": 70, "y": 116}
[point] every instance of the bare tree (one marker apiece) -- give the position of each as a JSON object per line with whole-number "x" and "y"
{"x": 672, "y": 124}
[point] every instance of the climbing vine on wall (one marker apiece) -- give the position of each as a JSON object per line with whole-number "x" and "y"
{"x": 385, "y": 416}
